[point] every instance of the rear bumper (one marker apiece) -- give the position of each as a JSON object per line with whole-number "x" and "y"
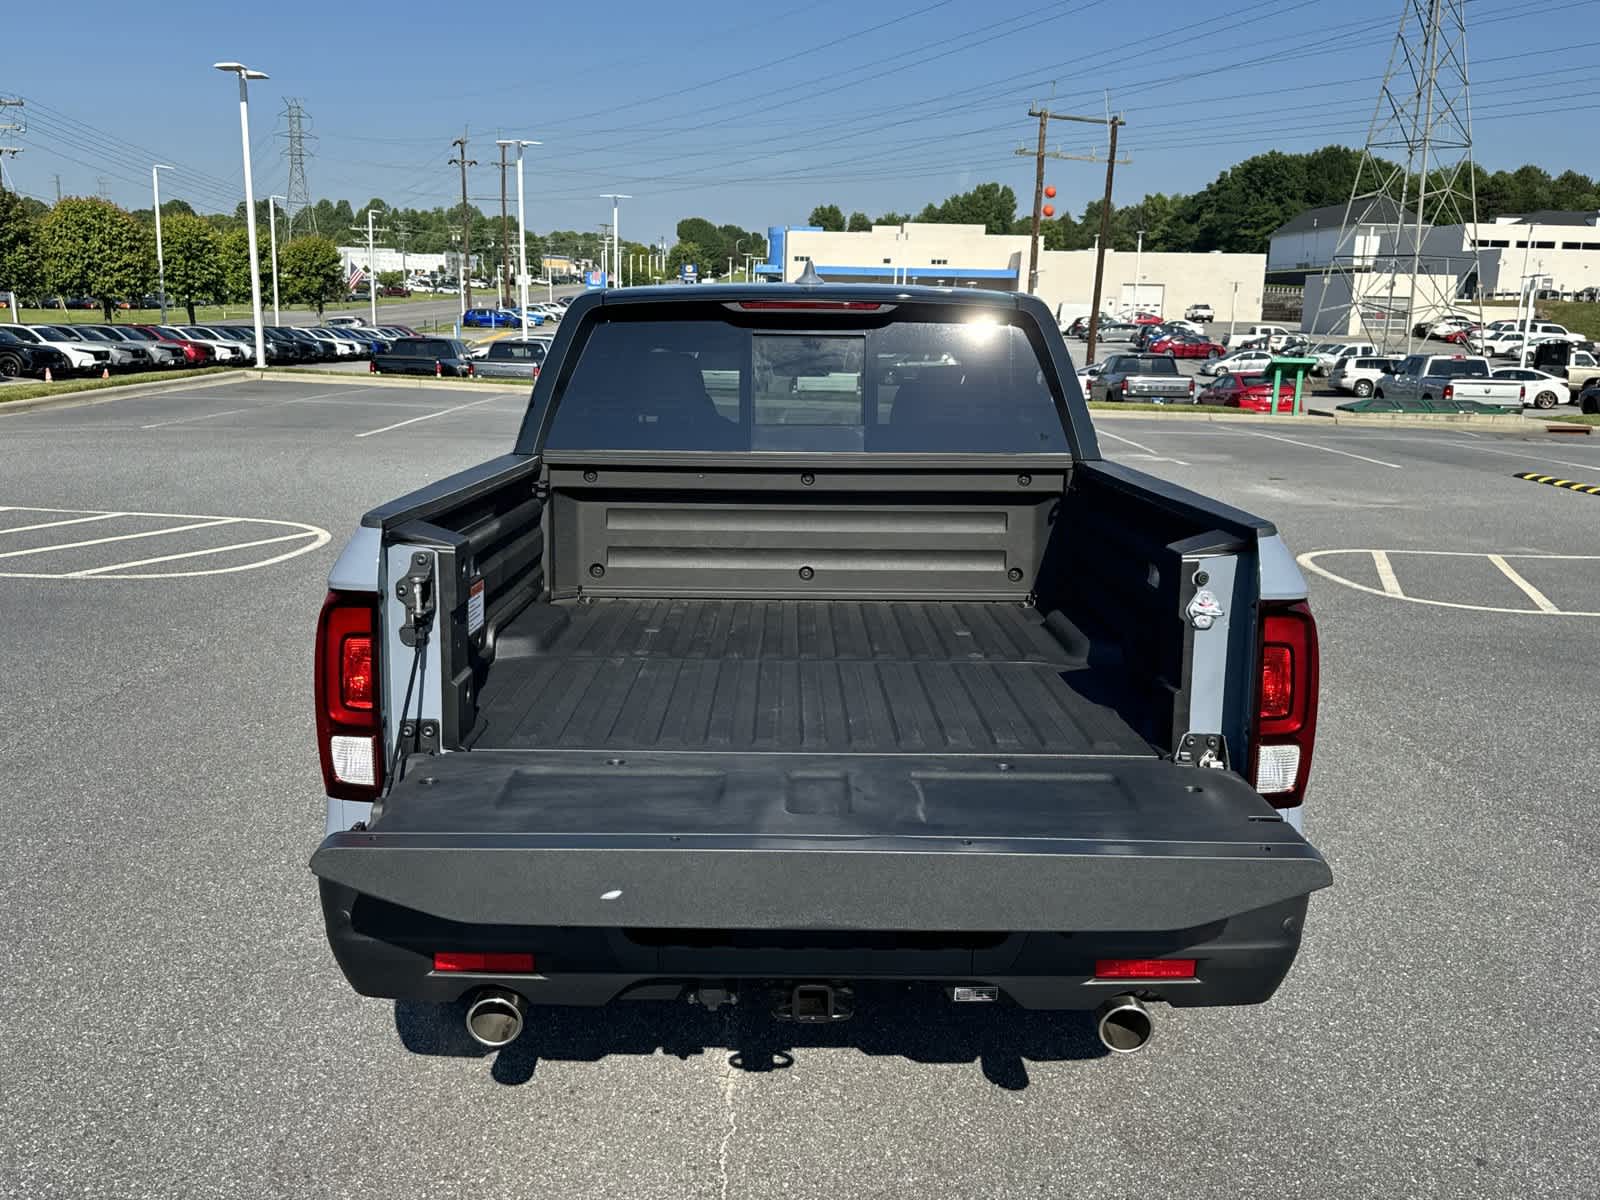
{"x": 386, "y": 951}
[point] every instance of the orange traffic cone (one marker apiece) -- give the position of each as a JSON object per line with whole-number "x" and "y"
{"x": 48, "y": 378}
{"x": 105, "y": 372}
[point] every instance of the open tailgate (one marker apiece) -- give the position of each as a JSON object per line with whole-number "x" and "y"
{"x": 888, "y": 842}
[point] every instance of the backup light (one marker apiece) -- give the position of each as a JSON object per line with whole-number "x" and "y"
{"x": 354, "y": 760}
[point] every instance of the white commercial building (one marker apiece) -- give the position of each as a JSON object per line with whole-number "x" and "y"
{"x": 383, "y": 258}
{"x": 969, "y": 256}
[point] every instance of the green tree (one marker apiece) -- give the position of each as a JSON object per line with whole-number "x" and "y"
{"x": 992, "y": 205}
{"x": 829, "y": 217}
{"x": 686, "y": 252}
{"x": 192, "y": 251}
{"x": 893, "y": 218}
{"x": 19, "y": 252}
{"x": 233, "y": 259}
{"x": 311, "y": 272}
{"x": 859, "y": 223}
{"x": 90, "y": 247}
{"x": 392, "y": 279}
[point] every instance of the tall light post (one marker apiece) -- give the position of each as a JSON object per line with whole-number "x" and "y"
{"x": 272, "y": 226}
{"x": 616, "y": 234}
{"x": 1138, "y": 279}
{"x": 522, "y": 231}
{"x": 245, "y": 74}
{"x": 161, "y": 266}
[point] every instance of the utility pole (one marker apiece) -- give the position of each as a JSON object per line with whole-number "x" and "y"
{"x": 401, "y": 233}
{"x": 58, "y": 201}
{"x": 615, "y": 270}
{"x": 272, "y": 233}
{"x": 461, "y": 160}
{"x": 1045, "y": 116}
{"x": 1138, "y": 256}
{"x": 372, "y": 264}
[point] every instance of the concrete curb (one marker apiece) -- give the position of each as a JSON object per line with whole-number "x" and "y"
{"x": 388, "y": 381}
{"x": 1494, "y": 422}
{"x": 106, "y": 395}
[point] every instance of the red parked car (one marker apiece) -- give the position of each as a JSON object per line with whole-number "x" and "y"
{"x": 1145, "y": 318}
{"x": 1248, "y": 392}
{"x": 195, "y": 354}
{"x": 1460, "y": 336}
{"x": 1188, "y": 347}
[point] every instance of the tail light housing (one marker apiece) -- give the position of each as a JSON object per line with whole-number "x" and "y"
{"x": 1286, "y": 703}
{"x": 347, "y": 682}
{"x": 1449, "y": 392}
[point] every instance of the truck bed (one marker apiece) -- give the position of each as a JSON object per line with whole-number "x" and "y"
{"x": 837, "y": 677}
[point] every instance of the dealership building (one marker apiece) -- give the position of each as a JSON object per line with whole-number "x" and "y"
{"x": 969, "y": 256}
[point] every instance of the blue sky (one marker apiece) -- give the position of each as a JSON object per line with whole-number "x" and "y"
{"x": 748, "y": 112}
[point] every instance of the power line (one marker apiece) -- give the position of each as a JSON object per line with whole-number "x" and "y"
{"x": 297, "y": 193}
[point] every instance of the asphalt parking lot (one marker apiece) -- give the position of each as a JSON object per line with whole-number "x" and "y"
{"x": 176, "y": 1027}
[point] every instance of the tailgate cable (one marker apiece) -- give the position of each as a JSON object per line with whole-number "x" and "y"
{"x": 416, "y": 592}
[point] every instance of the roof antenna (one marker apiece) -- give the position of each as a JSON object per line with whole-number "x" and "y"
{"x": 809, "y": 277}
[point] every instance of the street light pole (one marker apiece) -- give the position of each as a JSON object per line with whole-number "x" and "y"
{"x": 372, "y": 272}
{"x": 1138, "y": 279}
{"x": 522, "y": 231}
{"x": 272, "y": 225}
{"x": 616, "y": 238}
{"x": 245, "y": 74}
{"x": 161, "y": 266}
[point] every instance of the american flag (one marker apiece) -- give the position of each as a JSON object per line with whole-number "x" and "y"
{"x": 357, "y": 278}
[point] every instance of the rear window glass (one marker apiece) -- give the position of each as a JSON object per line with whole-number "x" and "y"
{"x": 898, "y": 385}
{"x": 1458, "y": 368}
{"x": 1151, "y": 364}
{"x": 422, "y": 347}
{"x": 522, "y": 350}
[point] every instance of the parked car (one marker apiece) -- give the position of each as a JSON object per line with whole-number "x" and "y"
{"x": 1447, "y": 377}
{"x": 226, "y": 349}
{"x": 19, "y": 357}
{"x": 1145, "y": 318}
{"x": 1328, "y": 353}
{"x": 1359, "y": 375}
{"x": 315, "y": 349}
{"x": 511, "y": 359}
{"x": 1272, "y": 337}
{"x": 423, "y": 356}
{"x": 82, "y": 357}
{"x": 1199, "y": 312}
{"x": 1541, "y": 389}
{"x": 489, "y": 318}
{"x": 189, "y": 353}
{"x": 345, "y": 347}
{"x": 1187, "y": 345}
{"x": 199, "y": 353}
{"x": 162, "y": 354}
{"x": 1589, "y": 399}
{"x": 391, "y": 290}
{"x": 345, "y": 320}
{"x": 1251, "y": 393}
{"x": 1239, "y": 360}
{"x": 279, "y": 351}
{"x": 1149, "y": 377}
{"x": 124, "y": 355}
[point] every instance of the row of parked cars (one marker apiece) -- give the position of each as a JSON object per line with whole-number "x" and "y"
{"x": 74, "y": 349}
{"x": 505, "y": 318}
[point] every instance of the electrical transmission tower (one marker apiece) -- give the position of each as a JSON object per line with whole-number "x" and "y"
{"x": 1416, "y": 173}
{"x": 297, "y": 196}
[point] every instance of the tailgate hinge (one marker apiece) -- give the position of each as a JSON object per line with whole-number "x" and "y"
{"x": 1202, "y": 750}
{"x": 416, "y": 591}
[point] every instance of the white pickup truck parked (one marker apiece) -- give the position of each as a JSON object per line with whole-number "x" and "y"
{"x": 1448, "y": 377}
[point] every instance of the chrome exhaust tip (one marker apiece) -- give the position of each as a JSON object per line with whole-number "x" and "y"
{"x": 1124, "y": 1025}
{"x": 495, "y": 1017}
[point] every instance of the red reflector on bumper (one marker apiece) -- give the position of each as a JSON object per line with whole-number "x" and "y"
{"x": 489, "y": 964}
{"x": 1144, "y": 968}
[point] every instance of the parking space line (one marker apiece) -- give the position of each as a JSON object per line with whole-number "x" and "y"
{"x": 228, "y": 549}
{"x": 54, "y": 524}
{"x": 1139, "y": 446}
{"x": 1540, "y": 458}
{"x": 428, "y": 416}
{"x": 230, "y": 412}
{"x": 122, "y": 537}
{"x": 1386, "y": 576}
{"x": 1378, "y": 462}
{"x": 1540, "y": 600}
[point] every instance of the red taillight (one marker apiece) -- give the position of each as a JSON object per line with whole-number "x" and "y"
{"x": 1449, "y": 392}
{"x": 1144, "y": 968}
{"x": 1286, "y": 703}
{"x": 1191, "y": 385}
{"x": 483, "y": 963}
{"x": 349, "y": 733}
{"x": 1124, "y": 387}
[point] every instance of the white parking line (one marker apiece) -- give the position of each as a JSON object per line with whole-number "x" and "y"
{"x": 443, "y": 412}
{"x": 1391, "y": 585}
{"x": 121, "y": 537}
{"x": 1139, "y": 446}
{"x": 1540, "y": 600}
{"x": 1540, "y": 458}
{"x": 230, "y": 412}
{"x": 229, "y": 549}
{"x": 1377, "y": 462}
{"x": 54, "y": 524}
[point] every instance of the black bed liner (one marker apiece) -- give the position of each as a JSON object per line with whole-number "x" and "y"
{"x": 800, "y": 675}
{"x": 781, "y": 841}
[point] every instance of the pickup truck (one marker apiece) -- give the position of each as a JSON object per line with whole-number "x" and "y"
{"x": 423, "y": 356}
{"x": 710, "y": 691}
{"x": 510, "y": 359}
{"x": 1149, "y": 377}
{"x": 1269, "y": 337}
{"x": 1447, "y": 377}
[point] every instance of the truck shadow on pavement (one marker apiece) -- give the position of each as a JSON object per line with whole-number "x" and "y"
{"x": 1000, "y": 1039}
